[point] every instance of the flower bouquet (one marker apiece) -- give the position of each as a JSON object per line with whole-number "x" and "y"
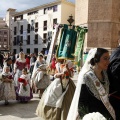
{"x": 94, "y": 116}
{"x": 24, "y": 83}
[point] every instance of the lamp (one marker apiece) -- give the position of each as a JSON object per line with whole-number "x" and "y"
{"x": 70, "y": 20}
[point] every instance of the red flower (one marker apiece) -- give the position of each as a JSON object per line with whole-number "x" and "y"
{"x": 22, "y": 81}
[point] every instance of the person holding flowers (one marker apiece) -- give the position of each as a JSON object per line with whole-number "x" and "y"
{"x": 24, "y": 91}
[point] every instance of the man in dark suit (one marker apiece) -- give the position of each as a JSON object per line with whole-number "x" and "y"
{"x": 114, "y": 78}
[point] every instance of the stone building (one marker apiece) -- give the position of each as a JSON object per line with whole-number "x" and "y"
{"x": 102, "y": 17}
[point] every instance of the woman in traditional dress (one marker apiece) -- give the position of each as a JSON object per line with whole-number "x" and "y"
{"x": 40, "y": 60}
{"x": 92, "y": 90}
{"x": 7, "y": 90}
{"x": 19, "y": 65}
{"x": 24, "y": 91}
{"x": 56, "y": 100}
{"x": 41, "y": 79}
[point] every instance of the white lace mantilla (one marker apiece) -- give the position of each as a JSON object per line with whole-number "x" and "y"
{"x": 88, "y": 81}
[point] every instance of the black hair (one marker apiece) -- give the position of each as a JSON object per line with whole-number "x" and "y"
{"x": 98, "y": 54}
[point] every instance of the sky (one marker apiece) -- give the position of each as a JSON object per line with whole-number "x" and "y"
{"x": 21, "y": 5}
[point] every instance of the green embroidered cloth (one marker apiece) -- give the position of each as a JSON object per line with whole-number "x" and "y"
{"x": 67, "y": 43}
{"x": 80, "y": 43}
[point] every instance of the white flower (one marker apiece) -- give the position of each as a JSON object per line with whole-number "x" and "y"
{"x": 94, "y": 116}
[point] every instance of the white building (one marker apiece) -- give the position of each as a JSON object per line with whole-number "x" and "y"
{"x": 32, "y": 28}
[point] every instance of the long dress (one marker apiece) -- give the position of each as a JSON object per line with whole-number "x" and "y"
{"x": 41, "y": 78}
{"x": 7, "y": 90}
{"x": 24, "y": 91}
{"x": 89, "y": 100}
{"x": 55, "y": 103}
{"x": 34, "y": 73}
{"x": 19, "y": 65}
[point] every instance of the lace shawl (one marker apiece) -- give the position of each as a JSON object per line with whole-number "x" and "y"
{"x": 90, "y": 85}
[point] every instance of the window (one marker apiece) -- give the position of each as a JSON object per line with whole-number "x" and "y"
{"x": 28, "y": 28}
{"x": 21, "y": 39}
{"x": 5, "y": 40}
{"x": 15, "y": 30}
{"x": 18, "y": 40}
{"x": 36, "y": 36}
{"x": 28, "y": 50}
{"x": 31, "y": 13}
{"x": 36, "y": 39}
{"x": 21, "y": 29}
{"x": 28, "y": 39}
{"x": 55, "y": 8}
{"x": 45, "y": 25}
{"x": 36, "y": 51}
{"x": 54, "y": 22}
{"x": 44, "y": 37}
{"x": 14, "y": 42}
{"x": 45, "y": 10}
{"x": 36, "y": 27}
{"x": 20, "y": 17}
{"x": 32, "y": 25}
{"x": 5, "y": 33}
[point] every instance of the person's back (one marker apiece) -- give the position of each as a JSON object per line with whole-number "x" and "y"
{"x": 115, "y": 54}
{"x": 114, "y": 78}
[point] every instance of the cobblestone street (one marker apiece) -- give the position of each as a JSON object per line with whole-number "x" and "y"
{"x": 19, "y": 111}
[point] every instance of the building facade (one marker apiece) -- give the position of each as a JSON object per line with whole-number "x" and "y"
{"x": 32, "y": 29}
{"x": 4, "y": 36}
{"x": 103, "y": 21}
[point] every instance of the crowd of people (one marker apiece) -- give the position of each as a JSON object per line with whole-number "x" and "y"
{"x": 97, "y": 89}
{"x": 17, "y": 77}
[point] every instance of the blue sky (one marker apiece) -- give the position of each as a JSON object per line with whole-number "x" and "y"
{"x": 21, "y": 4}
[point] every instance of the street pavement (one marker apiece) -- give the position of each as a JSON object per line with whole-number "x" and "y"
{"x": 19, "y": 111}
{"x": 22, "y": 111}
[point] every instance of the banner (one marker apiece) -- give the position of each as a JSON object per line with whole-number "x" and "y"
{"x": 80, "y": 44}
{"x": 67, "y": 43}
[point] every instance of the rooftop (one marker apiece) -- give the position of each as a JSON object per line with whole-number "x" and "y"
{"x": 42, "y": 6}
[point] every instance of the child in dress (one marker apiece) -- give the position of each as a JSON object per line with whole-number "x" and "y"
{"x": 24, "y": 92}
{"x": 7, "y": 90}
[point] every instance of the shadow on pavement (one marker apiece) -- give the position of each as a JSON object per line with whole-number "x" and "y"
{"x": 20, "y": 110}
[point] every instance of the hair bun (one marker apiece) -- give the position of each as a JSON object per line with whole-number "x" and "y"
{"x": 92, "y": 62}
